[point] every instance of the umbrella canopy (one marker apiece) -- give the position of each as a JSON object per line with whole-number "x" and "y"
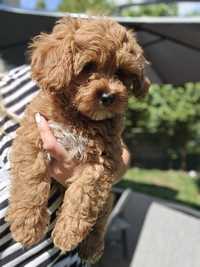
{"x": 172, "y": 45}
{"x": 173, "y": 48}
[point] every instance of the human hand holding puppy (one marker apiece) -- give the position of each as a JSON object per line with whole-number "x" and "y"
{"x": 61, "y": 162}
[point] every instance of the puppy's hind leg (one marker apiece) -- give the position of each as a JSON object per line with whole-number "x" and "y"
{"x": 27, "y": 212}
{"x": 92, "y": 247}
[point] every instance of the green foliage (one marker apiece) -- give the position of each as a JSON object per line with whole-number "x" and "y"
{"x": 108, "y": 7}
{"x": 194, "y": 13}
{"x": 40, "y": 4}
{"x": 172, "y": 114}
{"x": 93, "y": 7}
{"x": 159, "y": 10}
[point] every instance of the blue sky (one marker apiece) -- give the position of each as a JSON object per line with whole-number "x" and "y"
{"x": 184, "y": 8}
{"x": 30, "y": 4}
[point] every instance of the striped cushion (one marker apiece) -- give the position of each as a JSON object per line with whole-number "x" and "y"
{"x": 16, "y": 90}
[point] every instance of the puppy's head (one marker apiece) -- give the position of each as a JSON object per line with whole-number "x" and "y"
{"x": 94, "y": 64}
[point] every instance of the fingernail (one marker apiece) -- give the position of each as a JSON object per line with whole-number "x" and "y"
{"x": 38, "y": 118}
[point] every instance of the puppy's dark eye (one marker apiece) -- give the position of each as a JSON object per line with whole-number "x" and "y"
{"x": 119, "y": 74}
{"x": 123, "y": 75}
{"x": 89, "y": 67}
{"x": 130, "y": 80}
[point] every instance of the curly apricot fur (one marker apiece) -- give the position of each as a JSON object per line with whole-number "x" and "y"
{"x": 73, "y": 65}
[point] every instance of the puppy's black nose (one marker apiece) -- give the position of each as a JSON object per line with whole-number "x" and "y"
{"x": 107, "y": 99}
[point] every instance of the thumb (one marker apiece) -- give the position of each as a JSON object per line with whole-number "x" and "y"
{"x": 50, "y": 144}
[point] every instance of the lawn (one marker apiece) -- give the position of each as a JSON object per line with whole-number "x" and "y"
{"x": 173, "y": 185}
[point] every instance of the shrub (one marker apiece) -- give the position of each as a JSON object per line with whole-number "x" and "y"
{"x": 170, "y": 113}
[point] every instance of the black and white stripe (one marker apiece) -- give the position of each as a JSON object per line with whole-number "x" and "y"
{"x": 16, "y": 91}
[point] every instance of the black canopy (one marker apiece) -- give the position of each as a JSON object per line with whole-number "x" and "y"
{"x": 172, "y": 45}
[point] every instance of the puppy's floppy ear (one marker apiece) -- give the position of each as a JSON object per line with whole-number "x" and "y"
{"x": 52, "y": 56}
{"x": 140, "y": 83}
{"x": 142, "y": 88}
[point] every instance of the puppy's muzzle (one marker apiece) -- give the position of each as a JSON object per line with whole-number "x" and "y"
{"x": 107, "y": 99}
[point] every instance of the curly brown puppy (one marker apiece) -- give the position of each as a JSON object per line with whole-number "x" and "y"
{"x": 85, "y": 70}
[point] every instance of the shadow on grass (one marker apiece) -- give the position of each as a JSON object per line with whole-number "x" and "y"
{"x": 197, "y": 181}
{"x": 155, "y": 190}
{"x": 161, "y": 192}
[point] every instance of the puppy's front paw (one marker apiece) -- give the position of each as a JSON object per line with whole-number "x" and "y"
{"x": 69, "y": 232}
{"x": 28, "y": 226}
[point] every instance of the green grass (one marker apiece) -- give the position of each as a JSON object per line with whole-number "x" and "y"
{"x": 172, "y": 185}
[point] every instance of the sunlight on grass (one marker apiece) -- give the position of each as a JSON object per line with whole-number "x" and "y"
{"x": 172, "y": 185}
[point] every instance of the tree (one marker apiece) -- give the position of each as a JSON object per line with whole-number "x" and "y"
{"x": 195, "y": 13}
{"x": 94, "y": 7}
{"x": 156, "y": 10}
{"x": 40, "y": 4}
{"x": 172, "y": 115}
